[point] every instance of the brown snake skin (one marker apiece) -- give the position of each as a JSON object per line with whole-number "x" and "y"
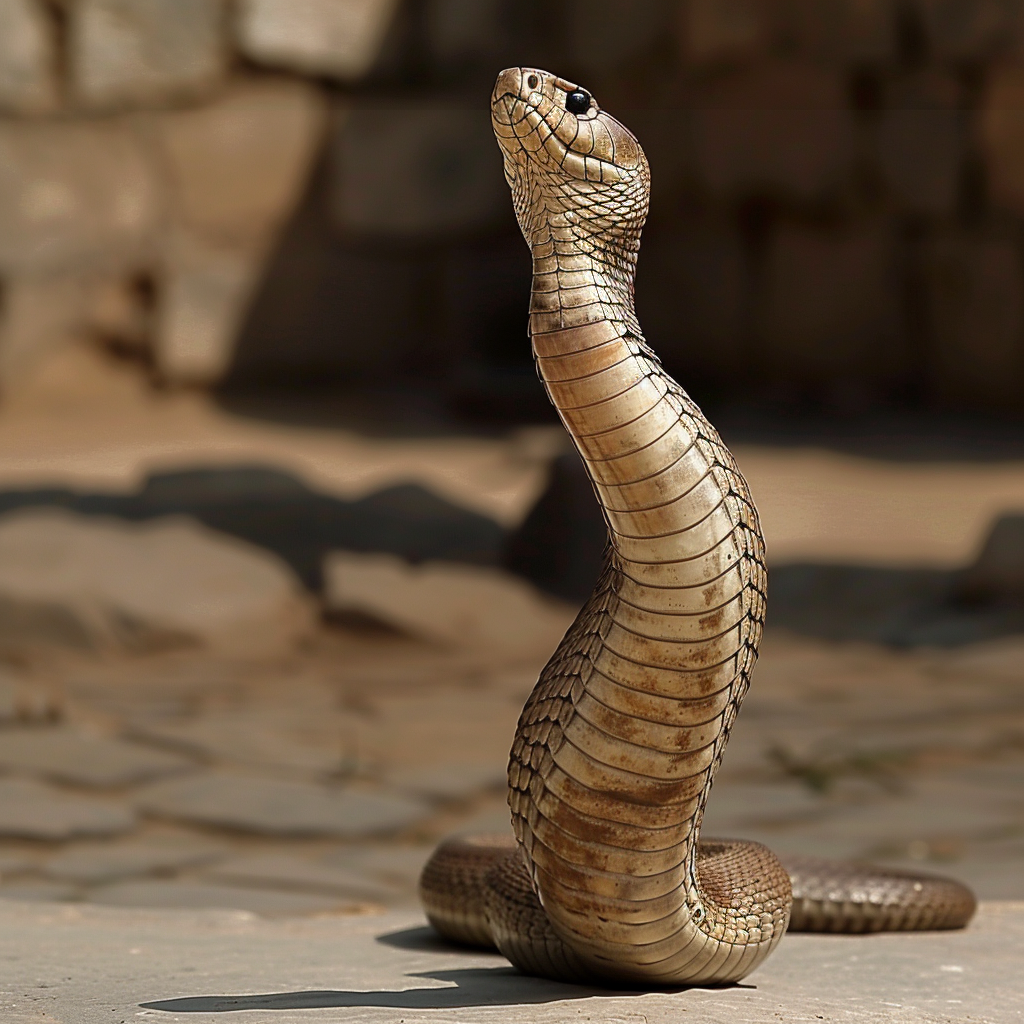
{"x": 618, "y": 744}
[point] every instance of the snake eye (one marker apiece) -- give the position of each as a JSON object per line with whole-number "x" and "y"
{"x": 532, "y": 82}
{"x": 577, "y": 102}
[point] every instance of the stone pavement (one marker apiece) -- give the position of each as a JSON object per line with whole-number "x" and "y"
{"x": 319, "y": 780}
{"x": 72, "y": 965}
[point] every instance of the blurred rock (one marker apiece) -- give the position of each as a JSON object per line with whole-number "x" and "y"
{"x": 13, "y": 863}
{"x": 336, "y": 38}
{"x": 180, "y": 895}
{"x": 120, "y": 312}
{"x": 972, "y": 29}
{"x": 251, "y": 738}
{"x": 921, "y": 136}
{"x": 725, "y": 30}
{"x": 831, "y": 305}
{"x": 998, "y": 660}
{"x": 694, "y": 297}
{"x": 205, "y": 296}
{"x": 34, "y": 810}
{"x": 239, "y": 164}
{"x": 413, "y": 168}
{"x": 777, "y": 129}
{"x": 314, "y": 292}
{"x": 468, "y": 33}
{"x": 237, "y": 168}
{"x": 278, "y": 806}
{"x": 130, "y": 53}
{"x": 613, "y": 35}
{"x": 1001, "y": 130}
{"x": 398, "y": 866}
{"x": 280, "y": 871}
{"x": 458, "y": 606}
{"x": 74, "y": 195}
{"x": 484, "y": 286}
{"x": 33, "y": 625}
{"x": 836, "y": 31}
{"x": 138, "y": 586}
{"x": 998, "y": 573}
{"x": 28, "y": 83}
{"x": 43, "y": 316}
{"x": 739, "y": 807}
{"x": 39, "y": 315}
{"x": 560, "y": 545}
{"x": 84, "y": 760}
{"x": 24, "y": 701}
{"x": 449, "y": 782}
{"x": 94, "y": 863}
{"x": 896, "y": 607}
{"x": 39, "y": 892}
{"x": 975, "y": 295}
{"x": 276, "y": 510}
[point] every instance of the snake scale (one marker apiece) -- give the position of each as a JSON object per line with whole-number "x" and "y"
{"x": 616, "y": 749}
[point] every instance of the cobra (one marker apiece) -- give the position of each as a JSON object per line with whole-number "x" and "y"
{"x": 617, "y": 747}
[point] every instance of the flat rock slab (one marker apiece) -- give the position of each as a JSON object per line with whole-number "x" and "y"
{"x": 281, "y": 871}
{"x": 199, "y": 895}
{"x": 95, "y": 863}
{"x": 41, "y": 891}
{"x": 86, "y": 965}
{"x": 279, "y": 807}
{"x": 245, "y": 739}
{"x": 450, "y": 781}
{"x": 68, "y": 756}
{"x": 34, "y": 810}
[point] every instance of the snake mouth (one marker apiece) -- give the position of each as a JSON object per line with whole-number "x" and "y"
{"x": 555, "y": 123}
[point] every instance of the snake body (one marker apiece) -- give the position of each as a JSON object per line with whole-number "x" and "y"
{"x": 618, "y": 745}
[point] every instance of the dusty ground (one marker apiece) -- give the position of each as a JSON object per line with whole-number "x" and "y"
{"x": 320, "y": 779}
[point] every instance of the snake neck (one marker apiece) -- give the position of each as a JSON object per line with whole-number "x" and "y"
{"x": 618, "y": 746}
{"x": 580, "y": 280}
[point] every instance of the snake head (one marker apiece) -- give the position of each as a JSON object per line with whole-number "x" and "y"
{"x": 571, "y": 166}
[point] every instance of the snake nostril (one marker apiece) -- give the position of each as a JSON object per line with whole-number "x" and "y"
{"x": 532, "y": 82}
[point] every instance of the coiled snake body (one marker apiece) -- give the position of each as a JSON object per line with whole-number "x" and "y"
{"x": 618, "y": 744}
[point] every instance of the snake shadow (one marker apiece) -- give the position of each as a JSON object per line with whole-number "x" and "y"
{"x": 468, "y": 987}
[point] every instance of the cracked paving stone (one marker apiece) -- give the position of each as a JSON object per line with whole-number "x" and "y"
{"x": 43, "y": 892}
{"x": 449, "y": 781}
{"x": 279, "y": 806}
{"x": 397, "y": 866}
{"x": 33, "y": 810}
{"x": 94, "y": 863}
{"x": 200, "y": 895}
{"x": 279, "y": 871}
{"x": 248, "y": 738}
{"x": 67, "y": 756}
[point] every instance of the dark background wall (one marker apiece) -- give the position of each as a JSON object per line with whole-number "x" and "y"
{"x": 835, "y": 225}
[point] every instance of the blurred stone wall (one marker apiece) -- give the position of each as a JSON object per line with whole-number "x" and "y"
{"x": 296, "y": 190}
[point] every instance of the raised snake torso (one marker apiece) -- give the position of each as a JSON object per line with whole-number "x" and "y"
{"x": 617, "y": 747}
